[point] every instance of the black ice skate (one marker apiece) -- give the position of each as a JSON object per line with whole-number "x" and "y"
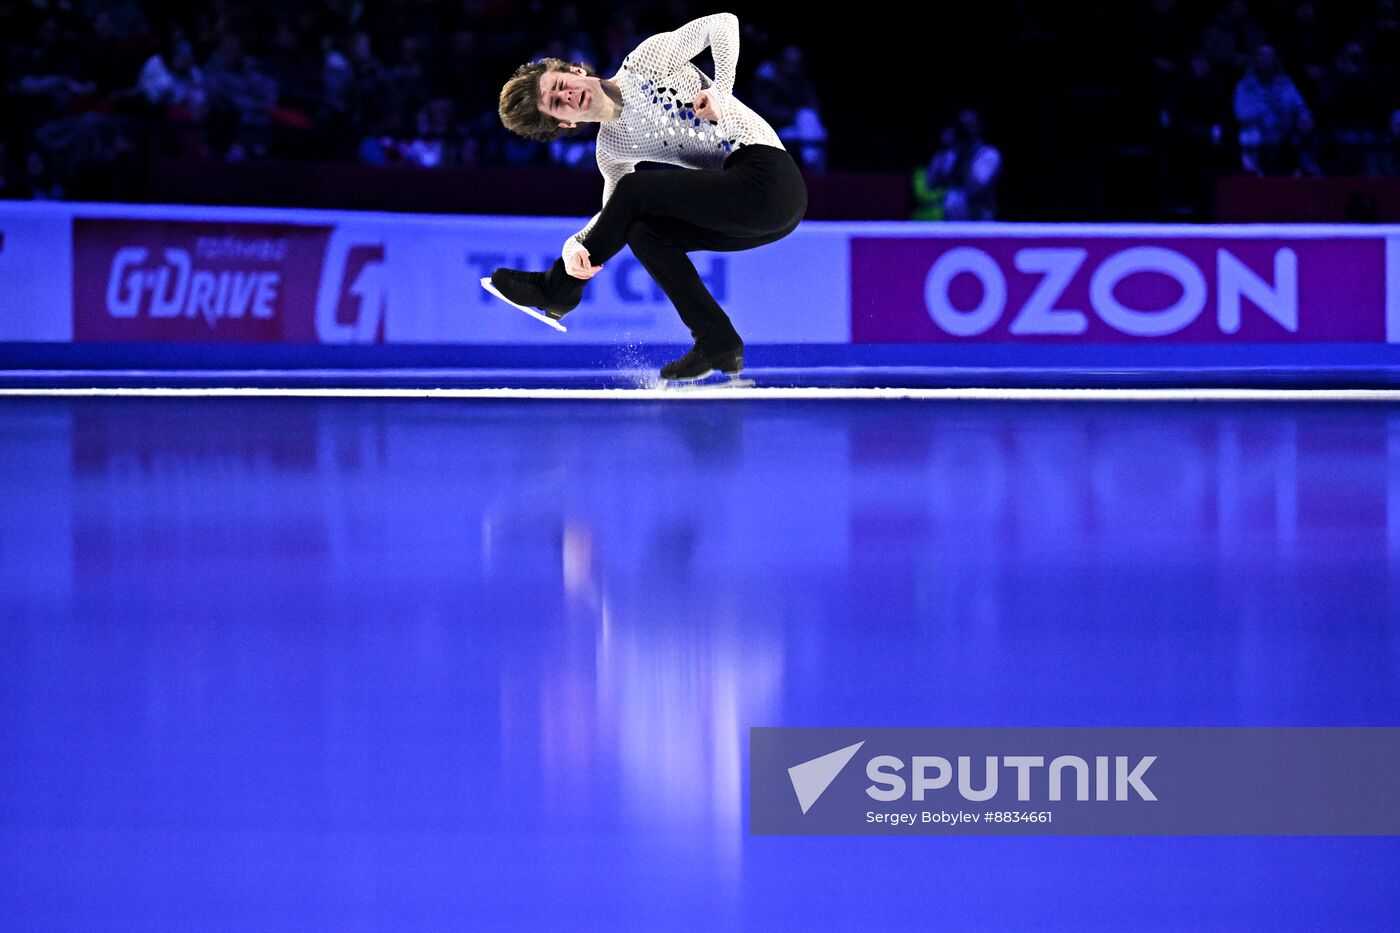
{"x": 526, "y": 291}
{"x": 698, "y": 363}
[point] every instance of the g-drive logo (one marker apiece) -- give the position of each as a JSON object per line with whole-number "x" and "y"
{"x": 353, "y": 299}
{"x": 1109, "y": 778}
{"x": 174, "y": 282}
{"x": 169, "y": 280}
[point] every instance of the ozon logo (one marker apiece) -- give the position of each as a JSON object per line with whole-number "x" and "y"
{"x": 352, "y": 298}
{"x": 1057, "y": 267}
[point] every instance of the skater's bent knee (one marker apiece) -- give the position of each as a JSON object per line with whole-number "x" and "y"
{"x": 643, "y": 234}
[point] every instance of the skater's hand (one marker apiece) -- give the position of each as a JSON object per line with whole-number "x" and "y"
{"x": 580, "y": 266}
{"x": 707, "y": 106}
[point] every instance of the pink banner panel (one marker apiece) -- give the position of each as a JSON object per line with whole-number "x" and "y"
{"x": 1117, "y": 289}
{"x": 176, "y": 281}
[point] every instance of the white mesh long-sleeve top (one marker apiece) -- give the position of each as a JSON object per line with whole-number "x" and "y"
{"x": 658, "y": 122}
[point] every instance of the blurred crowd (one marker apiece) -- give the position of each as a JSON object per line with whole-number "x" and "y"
{"x": 93, "y": 93}
{"x": 1269, "y": 88}
{"x": 1206, "y": 88}
{"x": 92, "y": 90}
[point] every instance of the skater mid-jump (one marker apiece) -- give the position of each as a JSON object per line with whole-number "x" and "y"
{"x": 743, "y": 188}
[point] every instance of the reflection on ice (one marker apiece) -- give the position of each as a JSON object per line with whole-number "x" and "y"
{"x": 518, "y": 639}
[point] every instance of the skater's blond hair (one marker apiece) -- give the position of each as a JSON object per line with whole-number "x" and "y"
{"x": 520, "y": 100}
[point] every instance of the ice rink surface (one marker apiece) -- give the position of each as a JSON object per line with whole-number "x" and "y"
{"x": 377, "y": 663}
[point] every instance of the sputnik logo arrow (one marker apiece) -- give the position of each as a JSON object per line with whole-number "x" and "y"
{"x": 811, "y": 778}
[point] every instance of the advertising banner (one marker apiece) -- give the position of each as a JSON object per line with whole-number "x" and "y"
{"x": 1117, "y": 289}
{"x": 376, "y": 279}
{"x": 35, "y": 276}
{"x": 162, "y": 281}
{"x": 150, "y": 275}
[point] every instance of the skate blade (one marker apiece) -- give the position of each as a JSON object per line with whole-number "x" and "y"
{"x": 486, "y": 284}
{"x": 704, "y": 382}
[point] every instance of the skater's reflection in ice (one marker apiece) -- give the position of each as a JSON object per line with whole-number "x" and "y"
{"x": 713, "y": 435}
{"x": 640, "y": 706}
{"x": 672, "y": 677}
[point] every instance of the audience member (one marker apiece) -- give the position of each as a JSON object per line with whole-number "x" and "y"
{"x": 1350, "y": 110}
{"x": 967, "y": 169}
{"x": 783, "y": 93}
{"x": 1197, "y": 128}
{"x": 1232, "y": 38}
{"x": 240, "y": 99}
{"x": 171, "y": 81}
{"x": 1276, "y": 126}
{"x": 1305, "y": 42}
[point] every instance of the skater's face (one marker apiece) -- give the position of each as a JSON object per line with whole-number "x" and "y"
{"x": 572, "y": 97}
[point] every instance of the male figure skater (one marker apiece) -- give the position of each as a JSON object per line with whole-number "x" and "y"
{"x": 742, "y": 190}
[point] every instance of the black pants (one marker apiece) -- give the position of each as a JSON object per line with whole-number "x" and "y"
{"x": 756, "y": 198}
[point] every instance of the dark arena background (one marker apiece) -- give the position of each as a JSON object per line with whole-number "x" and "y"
{"x": 336, "y": 593}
